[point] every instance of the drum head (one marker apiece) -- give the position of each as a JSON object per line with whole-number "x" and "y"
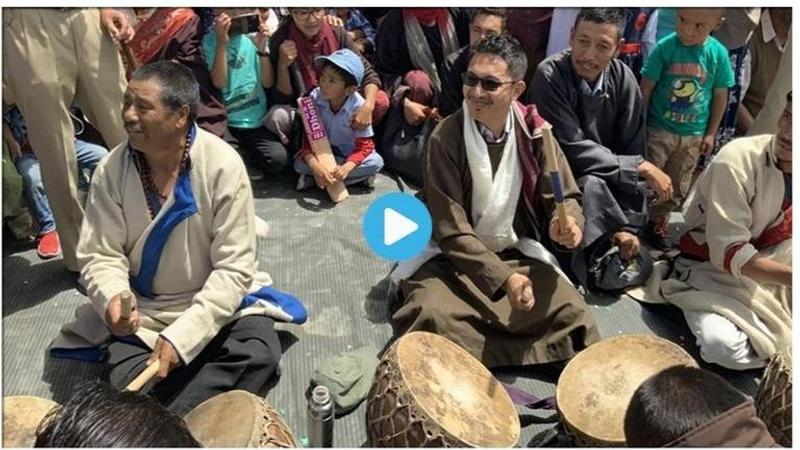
{"x": 456, "y": 391}
{"x": 595, "y": 388}
{"x": 21, "y": 415}
{"x": 238, "y": 419}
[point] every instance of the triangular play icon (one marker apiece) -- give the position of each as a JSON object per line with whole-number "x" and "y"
{"x": 396, "y": 226}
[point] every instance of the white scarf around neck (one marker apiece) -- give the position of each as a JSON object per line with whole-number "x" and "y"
{"x": 494, "y": 203}
{"x": 494, "y": 198}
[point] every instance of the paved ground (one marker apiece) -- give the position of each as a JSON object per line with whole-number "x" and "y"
{"x": 316, "y": 252}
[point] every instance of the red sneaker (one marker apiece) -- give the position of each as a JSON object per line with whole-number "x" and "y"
{"x": 49, "y": 245}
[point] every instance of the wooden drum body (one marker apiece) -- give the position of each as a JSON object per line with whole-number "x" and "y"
{"x": 21, "y": 416}
{"x": 595, "y": 388}
{"x": 774, "y": 398}
{"x": 429, "y": 392}
{"x": 238, "y": 419}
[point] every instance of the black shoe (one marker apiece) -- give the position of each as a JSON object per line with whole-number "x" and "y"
{"x": 657, "y": 235}
{"x": 253, "y": 173}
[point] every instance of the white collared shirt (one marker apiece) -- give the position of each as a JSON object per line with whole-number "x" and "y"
{"x": 598, "y": 86}
{"x": 489, "y": 136}
{"x": 768, "y": 31}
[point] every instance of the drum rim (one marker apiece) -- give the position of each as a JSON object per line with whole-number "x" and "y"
{"x": 41, "y": 401}
{"x": 256, "y": 402}
{"x": 775, "y": 368}
{"x": 515, "y": 417}
{"x": 564, "y": 417}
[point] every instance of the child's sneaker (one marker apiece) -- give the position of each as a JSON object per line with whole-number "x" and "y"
{"x": 369, "y": 183}
{"x": 49, "y": 245}
{"x": 657, "y": 234}
{"x": 304, "y": 182}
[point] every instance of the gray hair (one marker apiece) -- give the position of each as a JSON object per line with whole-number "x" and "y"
{"x": 179, "y": 88}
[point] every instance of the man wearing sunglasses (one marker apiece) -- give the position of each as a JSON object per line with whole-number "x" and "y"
{"x": 594, "y": 103}
{"x": 486, "y": 281}
{"x": 484, "y": 22}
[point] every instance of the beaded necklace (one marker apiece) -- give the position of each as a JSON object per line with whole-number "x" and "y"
{"x": 152, "y": 193}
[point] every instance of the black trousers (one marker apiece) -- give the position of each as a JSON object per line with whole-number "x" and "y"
{"x": 244, "y": 355}
{"x": 261, "y": 149}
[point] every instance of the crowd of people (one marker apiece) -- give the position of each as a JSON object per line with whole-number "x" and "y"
{"x": 650, "y": 110}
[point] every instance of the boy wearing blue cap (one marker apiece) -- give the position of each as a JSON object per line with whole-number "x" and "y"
{"x": 337, "y": 99}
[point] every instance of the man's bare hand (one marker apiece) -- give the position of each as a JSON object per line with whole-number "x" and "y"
{"x": 658, "y": 181}
{"x": 114, "y": 320}
{"x": 519, "y": 289}
{"x": 414, "y": 113}
{"x": 628, "y": 244}
{"x": 166, "y": 355}
{"x": 116, "y": 24}
{"x": 570, "y": 237}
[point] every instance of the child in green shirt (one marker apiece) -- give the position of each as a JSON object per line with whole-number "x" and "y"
{"x": 685, "y": 83}
{"x": 241, "y": 69}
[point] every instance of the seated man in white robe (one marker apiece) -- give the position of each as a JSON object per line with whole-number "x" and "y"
{"x": 734, "y": 277}
{"x": 170, "y": 218}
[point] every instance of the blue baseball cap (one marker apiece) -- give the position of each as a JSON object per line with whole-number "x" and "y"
{"x": 346, "y": 60}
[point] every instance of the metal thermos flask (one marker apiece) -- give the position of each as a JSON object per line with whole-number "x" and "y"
{"x": 320, "y": 418}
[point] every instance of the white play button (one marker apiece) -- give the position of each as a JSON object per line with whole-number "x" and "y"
{"x": 396, "y": 226}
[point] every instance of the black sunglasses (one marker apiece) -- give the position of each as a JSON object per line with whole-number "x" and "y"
{"x": 489, "y": 85}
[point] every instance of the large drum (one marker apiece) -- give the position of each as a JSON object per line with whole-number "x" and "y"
{"x": 774, "y": 398}
{"x": 21, "y": 416}
{"x": 595, "y": 388}
{"x": 238, "y": 419}
{"x": 429, "y": 392}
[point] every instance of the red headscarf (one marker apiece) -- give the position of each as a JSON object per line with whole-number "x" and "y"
{"x": 322, "y": 44}
{"x": 428, "y": 15}
{"x": 155, "y": 32}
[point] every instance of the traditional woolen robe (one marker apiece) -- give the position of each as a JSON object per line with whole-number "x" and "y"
{"x": 459, "y": 293}
{"x": 736, "y": 209}
{"x": 603, "y": 138}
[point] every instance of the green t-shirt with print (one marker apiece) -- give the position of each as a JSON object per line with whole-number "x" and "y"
{"x": 244, "y": 96}
{"x": 685, "y": 81}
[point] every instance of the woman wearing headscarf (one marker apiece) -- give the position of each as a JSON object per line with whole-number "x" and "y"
{"x": 411, "y": 47}
{"x": 304, "y": 35}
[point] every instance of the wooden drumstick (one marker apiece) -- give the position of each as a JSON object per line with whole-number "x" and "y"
{"x": 147, "y": 374}
{"x": 126, "y": 301}
{"x": 548, "y": 142}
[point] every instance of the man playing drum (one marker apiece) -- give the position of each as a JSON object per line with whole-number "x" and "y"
{"x": 593, "y": 101}
{"x": 734, "y": 277}
{"x": 170, "y": 216}
{"x": 487, "y": 283}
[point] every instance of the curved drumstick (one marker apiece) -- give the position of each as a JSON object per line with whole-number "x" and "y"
{"x": 555, "y": 175}
{"x": 147, "y": 374}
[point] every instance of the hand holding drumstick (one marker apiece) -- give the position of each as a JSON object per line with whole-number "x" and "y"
{"x": 564, "y": 229}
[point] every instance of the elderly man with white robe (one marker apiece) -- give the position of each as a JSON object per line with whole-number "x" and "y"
{"x": 170, "y": 219}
